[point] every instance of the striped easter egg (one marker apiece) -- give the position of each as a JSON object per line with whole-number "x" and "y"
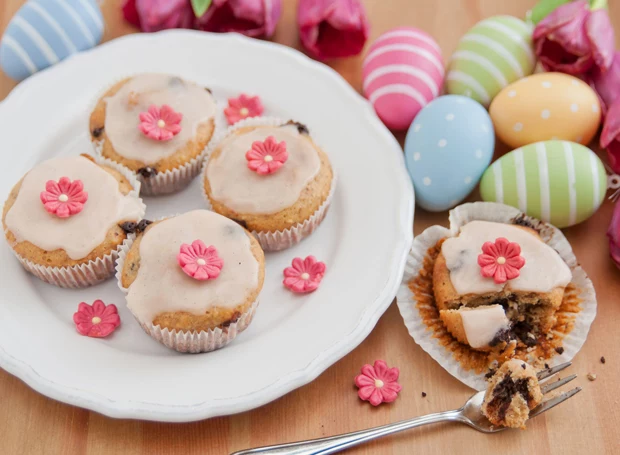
{"x": 561, "y": 182}
{"x": 494, "y": 53}
{"x": 402, "y": 72}
{"x": 43, "y": 32}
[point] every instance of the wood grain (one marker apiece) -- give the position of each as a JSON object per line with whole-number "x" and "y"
{"x": 588, "y": 423}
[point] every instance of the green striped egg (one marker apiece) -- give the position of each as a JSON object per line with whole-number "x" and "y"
{"x": 495, "y": 53}
{"x": 561, "y": 182}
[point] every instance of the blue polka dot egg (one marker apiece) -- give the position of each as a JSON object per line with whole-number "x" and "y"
{"x": 448, "y": 147}
{"x": 43, "y": 32}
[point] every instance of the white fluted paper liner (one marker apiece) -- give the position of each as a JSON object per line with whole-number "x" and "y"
{"x": 490, "y": 211}
{"x": 192, "y": 342}
{"x": 172, "y": 180}
{"x": 278, "y": 240}
{"x": 92, "y": 272}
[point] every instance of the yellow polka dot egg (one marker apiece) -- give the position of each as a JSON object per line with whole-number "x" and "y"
{"x": 543, "y": 107}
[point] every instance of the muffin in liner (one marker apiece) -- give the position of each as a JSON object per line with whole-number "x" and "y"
{"x": 172, "y": 180}
{"x": 416, "y": 300}
{"x": 274, "y": 240}
{"x": 95, "y": 271}
{"x": 185, "y": 341}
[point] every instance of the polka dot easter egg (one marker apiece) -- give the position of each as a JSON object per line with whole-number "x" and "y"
{"x": 43, "y": 32}
{"x": 546, "y": 106}
{"x": 448, "y": 147}
{"x": 403, "y": 71}
{"x": 561, "y": 182}
{"x": 494, "y": 53}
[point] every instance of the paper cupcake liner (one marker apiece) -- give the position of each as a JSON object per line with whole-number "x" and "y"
{"x": 581, "y": 288}
{"x": 172, "y": 180}
{"x": 181, "y": 341}
{"x": 92, "y": 272}
{"x": 278, "y": 240}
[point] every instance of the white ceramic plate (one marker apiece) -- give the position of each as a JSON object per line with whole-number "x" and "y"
{"x": 364, "y": 239}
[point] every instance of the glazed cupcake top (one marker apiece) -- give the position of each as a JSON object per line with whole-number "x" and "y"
{"x": 544, "y": 269}
{"x": 481, "y": 324}
{"x": 234, "y": 183}
{"x": 143, "y": 92}
{"x": 162, "y": 285}
{"x": 29, "y": 219}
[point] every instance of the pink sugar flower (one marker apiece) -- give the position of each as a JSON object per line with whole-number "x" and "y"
{"x": 304, "y": 275}
{"x": 266, "y": 157}
{"x": 378, "y": 384}
{"x": 199, "y": 261}
{"x": 64, "y": 198}
{"x": 243, "y": 107}
{"x": 160, "y": 124}
{"x": 501, "y": 260}
{"x": 97, "y": 320}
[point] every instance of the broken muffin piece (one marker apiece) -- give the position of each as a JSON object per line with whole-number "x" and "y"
{"x": 513, "y": 391}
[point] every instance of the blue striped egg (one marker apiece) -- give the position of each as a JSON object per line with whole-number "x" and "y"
{"x": 43, "y": 32}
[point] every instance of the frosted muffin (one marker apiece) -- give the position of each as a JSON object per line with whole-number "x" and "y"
{"x": 513, "y": 391}
{"x": 496, "y": 283}
{"x": 64, "y": 219}
{"x": 158, "y": 126}
{"x": 270, "y": 177}
{"x": 192, "y": 281}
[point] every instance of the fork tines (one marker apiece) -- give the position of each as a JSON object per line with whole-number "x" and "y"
{"x": 544, "y": 374}
{"x": 549, "y": 386}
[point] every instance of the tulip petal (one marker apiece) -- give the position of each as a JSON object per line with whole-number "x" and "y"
{"x": 610, "y": 136}
{"x": 602, "y": 39}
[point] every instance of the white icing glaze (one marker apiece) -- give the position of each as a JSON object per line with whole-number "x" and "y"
{"x": 482, "y": 324}
{"x": 79, "y": 234}
{"x": 544, "y": 269}
{"x": 122, "y": 118}
{"x": 162, "y": 286}
{"x": 243, "y": 190}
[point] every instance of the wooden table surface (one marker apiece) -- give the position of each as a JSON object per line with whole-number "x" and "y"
{"x": 588, "y": 423}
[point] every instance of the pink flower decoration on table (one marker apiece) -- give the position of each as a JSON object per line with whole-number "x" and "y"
{"x": 501, "y": 260}
{"x": 573, "y": 39}
{"x": 610, "y": 136}
{"x": 160, "y": 124}
{"x": 304, "y": 275}
{"x": 97, "y": 320}
{"x": 266, "y": 157}
{"x": 249, "y": 17}
{"x": 64, "y": 198}
{"x": 199, "y": 261}
{"x": 378, "y": 384}
{"x": 155, "y": 15}
{"x": 243, "y": 107}
{"x": 332, "y": 28}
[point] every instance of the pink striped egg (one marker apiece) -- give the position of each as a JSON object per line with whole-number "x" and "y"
{"x": 403, "y": 71}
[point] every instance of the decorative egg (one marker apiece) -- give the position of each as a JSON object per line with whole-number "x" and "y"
{"x": 43, "y": 32}
{"x": 561, "y": 182}
{"x": 494, "y": 53}
{"x": 546, "y": 106}
{"x": 402, "y": 72}
{"x": 448, "y": 147}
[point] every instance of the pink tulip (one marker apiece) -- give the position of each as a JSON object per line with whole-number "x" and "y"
{"x": 249, "y": 17}
{"x": 573, "y": 39}
{"x": 607, "y": 83}
{"x": 155, "y": 15}
{"x": 613, "y": 233}
{"x": 332, "y": 28}
{"x": 610, "y": 136}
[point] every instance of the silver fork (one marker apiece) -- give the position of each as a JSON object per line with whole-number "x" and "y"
{"x": 470, "y": 414}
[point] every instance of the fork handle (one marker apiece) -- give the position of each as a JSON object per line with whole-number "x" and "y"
{"x": 333, "y": 444}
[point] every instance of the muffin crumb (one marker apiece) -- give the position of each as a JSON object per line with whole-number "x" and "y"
{"x": 559, "y": 350}
{"x": 423, "y": 394}
{"x": 602, "y": 359}
{"x": 591, "y": 377}
{"x": 97, "y": 131}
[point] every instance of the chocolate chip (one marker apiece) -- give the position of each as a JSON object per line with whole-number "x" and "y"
{"x": 490, "y": 374}
{"x": 602, "y": 359}
{"x": 503, "y": 336}
{"x": 423, "y": 394}
{"x": 98, "y": 131}
{"x": 208, "y": 90}
{"x": 240, "y": 223}
{"x": 559, "y": 350}
{"x": 523, "y": 366}
{"x": 546, "y": 366}
{"x": 303, "y": 129}
{"x": 143, "y": 224}
{"x": 147, "y": 171}
{"x": 523, "y": 331}
{"x": 129, "y": 227}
